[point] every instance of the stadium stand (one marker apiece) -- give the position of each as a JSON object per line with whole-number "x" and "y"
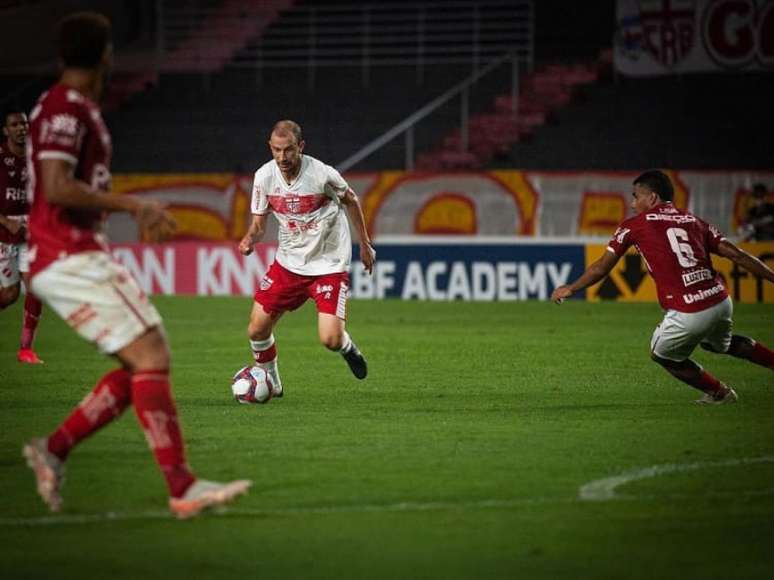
{"x": 346, "y": 73}
{"x": 207, "y": 87}
{"x": 692, "y": 122}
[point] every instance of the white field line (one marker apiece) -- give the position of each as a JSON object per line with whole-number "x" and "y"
{"x": 65, "y": 519}
{"x": 598, "y": 490}
{"x": 605, "y": 489}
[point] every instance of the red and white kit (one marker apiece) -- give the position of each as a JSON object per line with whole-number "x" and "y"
{"x": 315, "y": 246}
{"x": 676, "y": 246}
{"x": 70, "y": 265}
{"x": 14, "y": 205}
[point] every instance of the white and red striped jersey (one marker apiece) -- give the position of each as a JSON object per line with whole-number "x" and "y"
{"x": 314, "y": 237}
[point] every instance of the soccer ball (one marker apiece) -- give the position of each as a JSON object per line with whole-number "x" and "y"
{"x": 251, "y": 385}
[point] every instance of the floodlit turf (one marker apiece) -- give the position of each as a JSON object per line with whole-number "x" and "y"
{"x": 461, "y": 456}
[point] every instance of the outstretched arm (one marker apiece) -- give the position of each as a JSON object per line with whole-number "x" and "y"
{"x": 355, "y": 211}
{"x": 62, "y": 188}
{"x": 254, "y": 234}
{"x": 745, "y": 260}
{"x": 591, "y": 276}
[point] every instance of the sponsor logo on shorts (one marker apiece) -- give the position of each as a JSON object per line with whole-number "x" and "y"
{"x": 703, "y": 294}
{"x": 83, "y": 314}
{"x": 690, "y": 278}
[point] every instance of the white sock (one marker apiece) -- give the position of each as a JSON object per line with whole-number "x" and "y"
{"x": 346, "y": 343}
{"x": 270, "y": 366}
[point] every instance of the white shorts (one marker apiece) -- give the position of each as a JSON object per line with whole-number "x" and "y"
{"x": 681, "y": 332}
{"x": 10, "y": 263}
{"x": 98, "y": 298}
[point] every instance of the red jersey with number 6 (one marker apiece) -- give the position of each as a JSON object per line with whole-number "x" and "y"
{"x": 66, "y": 125}
{"x": 676, "y": 246}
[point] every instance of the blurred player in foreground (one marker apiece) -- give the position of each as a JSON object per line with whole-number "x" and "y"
{"x": 676, "y": 246}
{"x": 14, "y": 207}
{"x": 72, "y": 270}
{"x": 308, "y": 199}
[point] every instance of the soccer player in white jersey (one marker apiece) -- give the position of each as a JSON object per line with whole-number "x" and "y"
{"x": 308, "y": 198}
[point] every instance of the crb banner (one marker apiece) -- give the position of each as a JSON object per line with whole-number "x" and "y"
{"x": 630, "y": 282}
{"x": 658, "y": 37}
{"x": 409, "y": 271}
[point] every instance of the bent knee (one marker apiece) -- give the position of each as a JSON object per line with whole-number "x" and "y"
{"x": 332, "y": 341}
{"x": 741, "y": 346}
{"x": 150, "y": 351}
{"x": 258, "y": 331}
{"x": 668, "y": 363}
{"x": 8, "y": 296}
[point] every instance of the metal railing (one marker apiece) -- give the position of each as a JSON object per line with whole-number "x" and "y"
{"x": 462, "y": 89}
{"x": 377, "y": 35}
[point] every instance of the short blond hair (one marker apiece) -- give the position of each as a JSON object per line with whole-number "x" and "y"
{"x": 287, "y": 127}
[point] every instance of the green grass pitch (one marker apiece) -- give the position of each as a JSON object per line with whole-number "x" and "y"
{"x": 461, "y": 456}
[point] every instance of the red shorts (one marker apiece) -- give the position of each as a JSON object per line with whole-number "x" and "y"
{"x": 282, "y": 290}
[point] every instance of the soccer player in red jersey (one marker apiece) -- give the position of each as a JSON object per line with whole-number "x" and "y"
{"x": 14, "y": 207}
{"x": 311, "y": 201}
{"x": 676, "y": 247}
{"x": 71, "y": 269}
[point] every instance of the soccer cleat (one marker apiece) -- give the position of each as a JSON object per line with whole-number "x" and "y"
{"x": 728, "y": 396}
{"x": 49, "y": 472}
{"x": 356, "y": 361}
{"x": 203, "y": 494}
{"x": 28, "y": 356}
{"x": 277, "y": 391}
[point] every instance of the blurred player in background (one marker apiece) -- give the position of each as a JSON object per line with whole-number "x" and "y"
{"x": 308, "y": 198}
{"x": 676, "y": 247}
{"x": 72, "y": 270}
{"x": 759, "y": 219}
{"x": 14, "y": 207}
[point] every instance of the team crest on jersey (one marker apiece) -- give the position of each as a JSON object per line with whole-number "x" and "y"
{"x": 293, "y": 203}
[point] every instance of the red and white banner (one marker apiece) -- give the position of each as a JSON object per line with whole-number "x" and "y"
{"x": 199, "y": 268}
{"x": 481, "y": 204}
{"x": 658, "y": 37}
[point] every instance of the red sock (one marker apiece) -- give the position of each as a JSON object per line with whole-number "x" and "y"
{"x": 707, "y": 383}
{"x": 155, "y": 408}
{"x": 763, "y": 356}
{"x": 32, "y": 308}
{"x": 103, "y": 404}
